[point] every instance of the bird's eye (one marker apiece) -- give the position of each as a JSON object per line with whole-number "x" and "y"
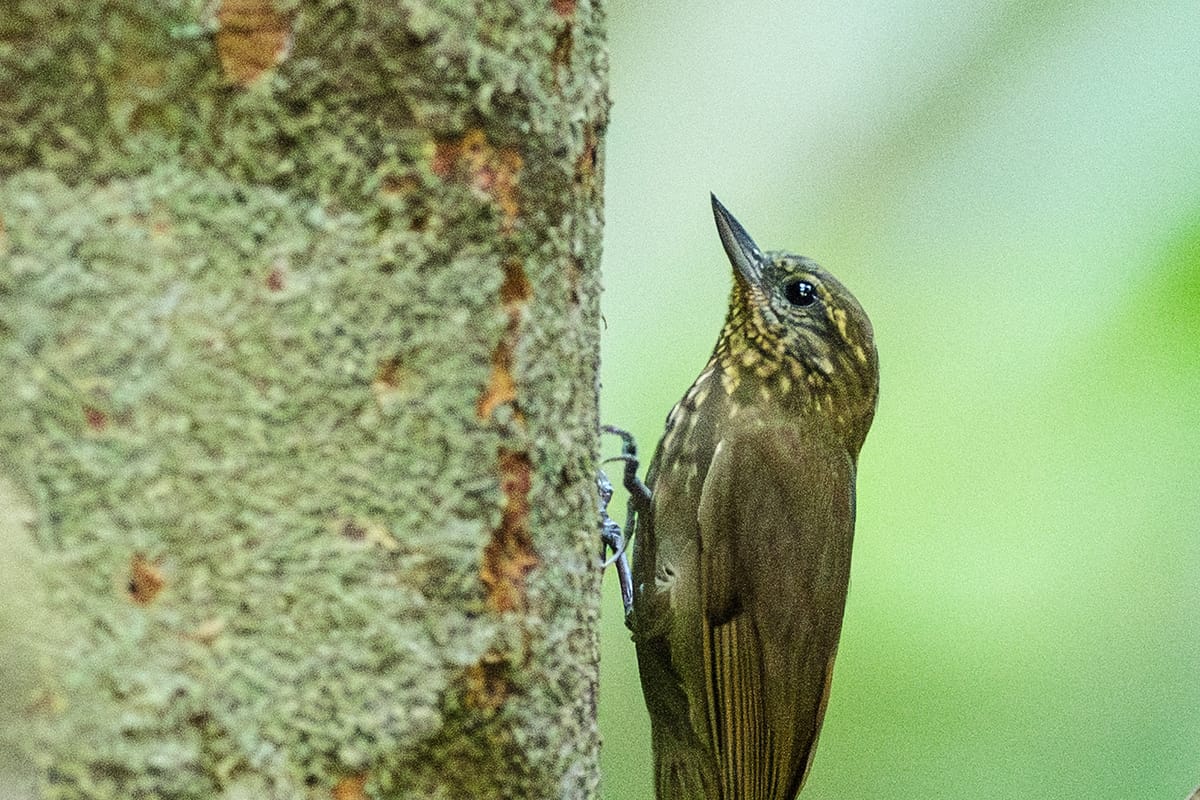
{"x": 800, "y": 293}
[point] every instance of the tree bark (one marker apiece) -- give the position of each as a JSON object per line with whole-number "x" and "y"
{"x": 299, "y": 316}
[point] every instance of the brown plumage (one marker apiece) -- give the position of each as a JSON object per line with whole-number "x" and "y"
{"x": 742, "y": 553}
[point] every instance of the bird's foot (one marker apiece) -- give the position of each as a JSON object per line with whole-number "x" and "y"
{"x": 613, "y": 541}
{"x": 639, "y": 492}
{"x": 610, "y": 531}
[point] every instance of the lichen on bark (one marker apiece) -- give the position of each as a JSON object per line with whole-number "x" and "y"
{"x": 299, "y": 333}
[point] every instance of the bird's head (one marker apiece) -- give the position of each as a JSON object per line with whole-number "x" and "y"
{"x": 796, "y": 328}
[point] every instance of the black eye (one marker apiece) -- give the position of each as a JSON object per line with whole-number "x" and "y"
{"x": 800, "y": 293}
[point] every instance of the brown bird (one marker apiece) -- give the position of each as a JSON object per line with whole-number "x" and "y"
{"x": 742, "y": 541}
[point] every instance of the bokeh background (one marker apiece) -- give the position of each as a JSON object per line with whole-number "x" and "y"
{"x": 1012, "y": 189}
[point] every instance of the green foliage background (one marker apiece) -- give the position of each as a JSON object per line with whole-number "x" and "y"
{"x": 1012, "y": 189}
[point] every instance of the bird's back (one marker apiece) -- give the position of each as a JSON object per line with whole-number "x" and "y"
{"x": 740, "y": 573}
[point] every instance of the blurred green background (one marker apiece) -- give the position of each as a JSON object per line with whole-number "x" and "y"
{"x": 1012, "y": 190}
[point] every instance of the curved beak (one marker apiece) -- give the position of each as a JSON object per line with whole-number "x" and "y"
{"x": 743, "y": 253}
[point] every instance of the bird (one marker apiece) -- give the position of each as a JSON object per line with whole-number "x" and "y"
{"x": 742, "y": 531}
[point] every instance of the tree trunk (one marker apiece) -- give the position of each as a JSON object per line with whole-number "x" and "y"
{"x": 299, "y": 317}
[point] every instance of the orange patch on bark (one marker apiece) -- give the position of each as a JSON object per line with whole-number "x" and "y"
{"x": 145, "y": 580}
{"x": 501, "y": 387}
{"x": 487, "y": 683}
{"x": 351, "y": 787}
{"x": 96, "y": 419}
{"x": 563, "y": 8}
{"x": 560, "y": 56}
{"x": 515, "y": 289}
{"x": 253, "y": 36}
{"x": 509, "y": 556}
{"x": 494, "y": 171}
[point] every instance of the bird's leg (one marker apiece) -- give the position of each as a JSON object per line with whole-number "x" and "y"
{"x": 639, "y": 498}
{"x": 612, "y": 539}
{"x": 639, "y": 493}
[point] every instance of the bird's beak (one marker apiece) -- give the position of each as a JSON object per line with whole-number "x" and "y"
{"x": 744, "y": 255}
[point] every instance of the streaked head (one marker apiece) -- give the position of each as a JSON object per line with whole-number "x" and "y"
{"x": 794, "y": 318}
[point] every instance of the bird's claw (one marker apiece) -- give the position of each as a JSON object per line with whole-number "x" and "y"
{"x": 612, "y": 540}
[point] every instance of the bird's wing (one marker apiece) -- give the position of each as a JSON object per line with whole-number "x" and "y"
{"x": 776, "y": 522}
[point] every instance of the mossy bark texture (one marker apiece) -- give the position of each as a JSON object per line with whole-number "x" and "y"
{"x": 299, "y": 325}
